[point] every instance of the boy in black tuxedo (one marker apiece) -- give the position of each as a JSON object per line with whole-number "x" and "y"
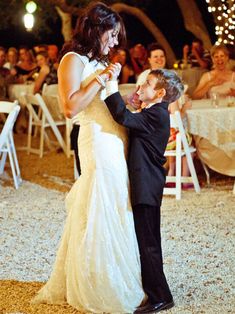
{"x": 148, "y": 136}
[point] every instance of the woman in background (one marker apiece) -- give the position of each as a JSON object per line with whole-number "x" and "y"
{"x": 127, "y": 74}
{"x": 221, "y": 82}
{"x": 47, "y": 73}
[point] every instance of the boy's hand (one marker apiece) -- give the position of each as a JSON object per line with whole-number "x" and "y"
{"x": 133, "y": 99}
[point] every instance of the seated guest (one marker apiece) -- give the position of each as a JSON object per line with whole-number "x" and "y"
{"x": 4, "y": 73}
{"x": 12, "y": 58}
{"x": 196, "y": 55}
{"x": 26, "y": 66}
{"x": 127, "y": 74}
{"x": 3, "y": 70}
{"x": 47, "y": 73}
{"x": 53, "y": 55}
{"x": 138, "y": 58}
{"x": 156, "y": 58}
{"x": 220, "y": 80}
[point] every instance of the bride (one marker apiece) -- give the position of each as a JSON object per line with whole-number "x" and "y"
{"x": 97, "y": 268}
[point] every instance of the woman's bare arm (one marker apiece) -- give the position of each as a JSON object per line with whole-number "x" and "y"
{"x": 75, "y": 98}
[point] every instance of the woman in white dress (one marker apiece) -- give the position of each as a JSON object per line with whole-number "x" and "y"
{"x": 97, "y": 268}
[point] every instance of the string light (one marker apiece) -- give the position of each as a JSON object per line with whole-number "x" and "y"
{"x": 224, "y": 17}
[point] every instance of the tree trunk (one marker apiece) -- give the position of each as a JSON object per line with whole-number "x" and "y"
{"x": 151, "y": 27}
{"x": 66, "y": 20}
{"x": 193, "y": 21}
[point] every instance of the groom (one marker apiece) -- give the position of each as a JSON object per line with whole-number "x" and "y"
{"x": 148, "y": 137}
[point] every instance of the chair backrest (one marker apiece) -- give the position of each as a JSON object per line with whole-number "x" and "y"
{"x": 13, "y": 111}
{"x": 39, "y": 101}
{"x": 50, "y": 95}
{"x": 176, "y": 122}
{"x": 7, "y": 106}
{"x": 50, "y": 89}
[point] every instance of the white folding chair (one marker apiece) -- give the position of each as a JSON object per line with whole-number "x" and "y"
{"x": 43, "y": 115}
{"x": 49, "y": 92}
{"x": 182, "y": 149}
{"x": 7, "y": 146}
{"x": 51, "y": 89}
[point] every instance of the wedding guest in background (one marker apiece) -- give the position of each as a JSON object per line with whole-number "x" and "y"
{"x": 26, "y": 66}
{"x": 127, "y": 74}
{"x": 196, "y": 55}
{"x": 156, "y": 57}
{"x": 138, "y": 58}
{"x": 47, "y": 73}
{"x": 4, "y": 73}
{"x": 12, "y": 58}
{"x": 220, "y": 80}
{"x": 53, "y": 55}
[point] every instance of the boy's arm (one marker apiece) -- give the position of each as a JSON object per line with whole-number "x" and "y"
{"x": 143, "y": 121}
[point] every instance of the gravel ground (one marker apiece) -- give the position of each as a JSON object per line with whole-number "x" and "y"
{"x": 197, "y": 234}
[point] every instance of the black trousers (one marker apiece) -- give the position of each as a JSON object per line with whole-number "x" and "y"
{"x": 74, "y": 145}
{"x": 147, "y": 227}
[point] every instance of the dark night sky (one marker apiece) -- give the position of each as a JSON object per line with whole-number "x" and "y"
{"x": 165, "y": 13}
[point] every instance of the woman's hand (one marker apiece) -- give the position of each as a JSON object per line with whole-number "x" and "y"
{"x": 114, "y": 70}
{"x": 111, "y": 72}
{"x": 216, "y": 81}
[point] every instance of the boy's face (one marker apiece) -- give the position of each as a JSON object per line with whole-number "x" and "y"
{"x": 148, "y": 92}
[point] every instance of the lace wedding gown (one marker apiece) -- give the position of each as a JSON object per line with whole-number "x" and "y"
{"x": 97, "y": 268}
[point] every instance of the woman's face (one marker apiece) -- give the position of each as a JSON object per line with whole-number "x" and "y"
{"x": 220, "y": 60}
{"x": 41, "y": 60}
{"x": 109, "y": 40}
{"x": 122, "y": 56}
{"x": 12, "y": 57}
{"x": 157, "y": 59}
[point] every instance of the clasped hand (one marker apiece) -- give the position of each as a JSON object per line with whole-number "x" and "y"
{"x": 111, "y": 72}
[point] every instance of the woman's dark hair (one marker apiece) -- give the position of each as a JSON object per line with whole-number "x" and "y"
{"x": 96, "y": 19}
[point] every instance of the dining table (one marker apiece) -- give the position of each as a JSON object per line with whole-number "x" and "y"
{"x": 213, "y": 128}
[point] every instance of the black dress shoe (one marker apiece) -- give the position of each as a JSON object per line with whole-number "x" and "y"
{"x": 154, "y": 308}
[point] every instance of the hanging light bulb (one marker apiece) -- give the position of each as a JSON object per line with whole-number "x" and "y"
{"x": 31, "y": 7}
{"x": 28, "y": 21}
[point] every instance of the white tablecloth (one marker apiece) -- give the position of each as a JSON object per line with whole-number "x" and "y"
{"x": 215, "y": 124}
{"x": 215, "y": 133}
{"x": 15, "y": 91}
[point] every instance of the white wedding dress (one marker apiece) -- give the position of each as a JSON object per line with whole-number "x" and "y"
{"x": 97, "y": 268}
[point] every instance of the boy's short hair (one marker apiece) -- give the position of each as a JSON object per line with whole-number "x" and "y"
{"x": 170, "y": 81}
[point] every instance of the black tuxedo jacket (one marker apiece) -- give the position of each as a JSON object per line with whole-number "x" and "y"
{"x": 149, "y": 132}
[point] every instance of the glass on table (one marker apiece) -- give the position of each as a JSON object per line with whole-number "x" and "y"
{"x": 215, "y": 100}
{"x": 230, "y": 101}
